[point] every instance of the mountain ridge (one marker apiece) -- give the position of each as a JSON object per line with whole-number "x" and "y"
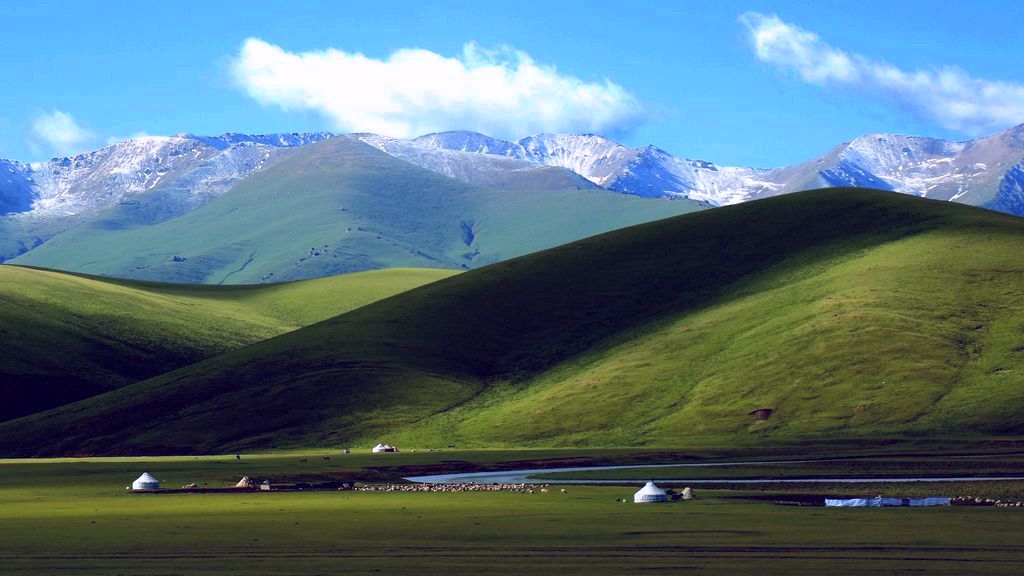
{"x": 150, "y": 180}
{"x": 983, "y": 171}
{"x": 338, "y": 206}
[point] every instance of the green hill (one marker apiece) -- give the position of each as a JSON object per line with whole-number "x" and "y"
{"x": 335, "y": 207}
{"x": 849, "y": 313}
{"x": 65, "y": 337}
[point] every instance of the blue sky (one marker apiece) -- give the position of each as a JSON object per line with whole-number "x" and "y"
{"x": 686, "y": 76}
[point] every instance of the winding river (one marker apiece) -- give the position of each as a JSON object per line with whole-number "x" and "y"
{"x": 528, "y": 476}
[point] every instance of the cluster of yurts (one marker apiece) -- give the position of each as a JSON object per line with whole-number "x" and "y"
{"x": 648, "y": 494}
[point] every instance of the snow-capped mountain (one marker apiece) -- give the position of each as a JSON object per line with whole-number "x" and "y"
{"x": 973, "y": 172}
{"x": 648, "y": 171}
{"x": 151, "y": 179}
{"x": 475, "y": 164}
{"x": 199, "y": 166}
{"x": 182, "y": 172}
{"x": 984, "y": 172}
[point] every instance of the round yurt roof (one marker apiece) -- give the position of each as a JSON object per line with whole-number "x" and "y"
{"x": 650, "y": 493}
{"x": 146, "y": 482}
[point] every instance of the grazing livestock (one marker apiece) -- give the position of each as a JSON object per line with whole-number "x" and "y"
{"x": 445, "y": 487}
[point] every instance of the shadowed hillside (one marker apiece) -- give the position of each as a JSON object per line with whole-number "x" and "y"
{"x": 65, "y": 337}
{"x": 847, "y": 312}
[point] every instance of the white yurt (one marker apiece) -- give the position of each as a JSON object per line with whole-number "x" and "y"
{"x": 650, "y": 493}
{"x": 379, "y": 448}
{"x": 384, "y": 448}
{"x": 146, "y": 482}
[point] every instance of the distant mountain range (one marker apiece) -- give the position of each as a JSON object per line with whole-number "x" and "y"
{"x": 334, "y": 206}
{"x": 122, "y": 210}
{"x": 985, "y": 172}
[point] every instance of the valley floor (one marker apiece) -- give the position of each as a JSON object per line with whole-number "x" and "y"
{"x": 74, "y": 516}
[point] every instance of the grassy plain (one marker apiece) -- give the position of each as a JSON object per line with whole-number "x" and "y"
{"x": 73, "y": 516}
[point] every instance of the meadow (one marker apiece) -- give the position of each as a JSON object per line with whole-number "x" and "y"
{"x": 70, "y": 515}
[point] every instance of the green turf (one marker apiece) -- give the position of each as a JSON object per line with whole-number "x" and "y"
{"x": 851, "y": 313}
{"x": 341, "y": 206}
{"x": 75, "y": 517}
{"x": 66, "y": 337}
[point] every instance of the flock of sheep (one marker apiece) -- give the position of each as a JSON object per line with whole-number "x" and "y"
{"x": 459, "y": 487}
{"x": 972, "y": 501}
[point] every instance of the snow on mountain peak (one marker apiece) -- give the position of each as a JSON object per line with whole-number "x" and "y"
{"x": 189, "y": 170}
{"x": 195, "y": 168}
{"x": 914, "y": 165}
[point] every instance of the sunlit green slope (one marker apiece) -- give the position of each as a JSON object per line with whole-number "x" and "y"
{"x": 847, "y": 312}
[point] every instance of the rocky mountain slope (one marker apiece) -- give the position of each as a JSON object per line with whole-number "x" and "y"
{"x": 983, "y": 172}
{"x": 168, "y": 176}
{"x": 485, "y": 170}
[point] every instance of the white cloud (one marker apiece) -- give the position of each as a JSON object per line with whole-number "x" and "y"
{"x": 500, "y": 92}
{"x": 948, "y": 95}
{"x": 60, "y": 133}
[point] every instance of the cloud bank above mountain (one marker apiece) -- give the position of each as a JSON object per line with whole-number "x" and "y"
{"x": 948, "y": 95}
{"x": 59, "y": 133}
{"x": 502, "y": 92}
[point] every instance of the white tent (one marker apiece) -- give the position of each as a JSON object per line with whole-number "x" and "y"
{"x": 146, "y": 482}
{"x": 384, "y": 448}
{"x": 650, "y": 493}
{"x": 246, "y": 482}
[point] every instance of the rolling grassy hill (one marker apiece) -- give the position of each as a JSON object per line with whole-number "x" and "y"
{"x": 335, "y": 207}
{"x": 65, "y": 337}
{"x": 850, "y": 313}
